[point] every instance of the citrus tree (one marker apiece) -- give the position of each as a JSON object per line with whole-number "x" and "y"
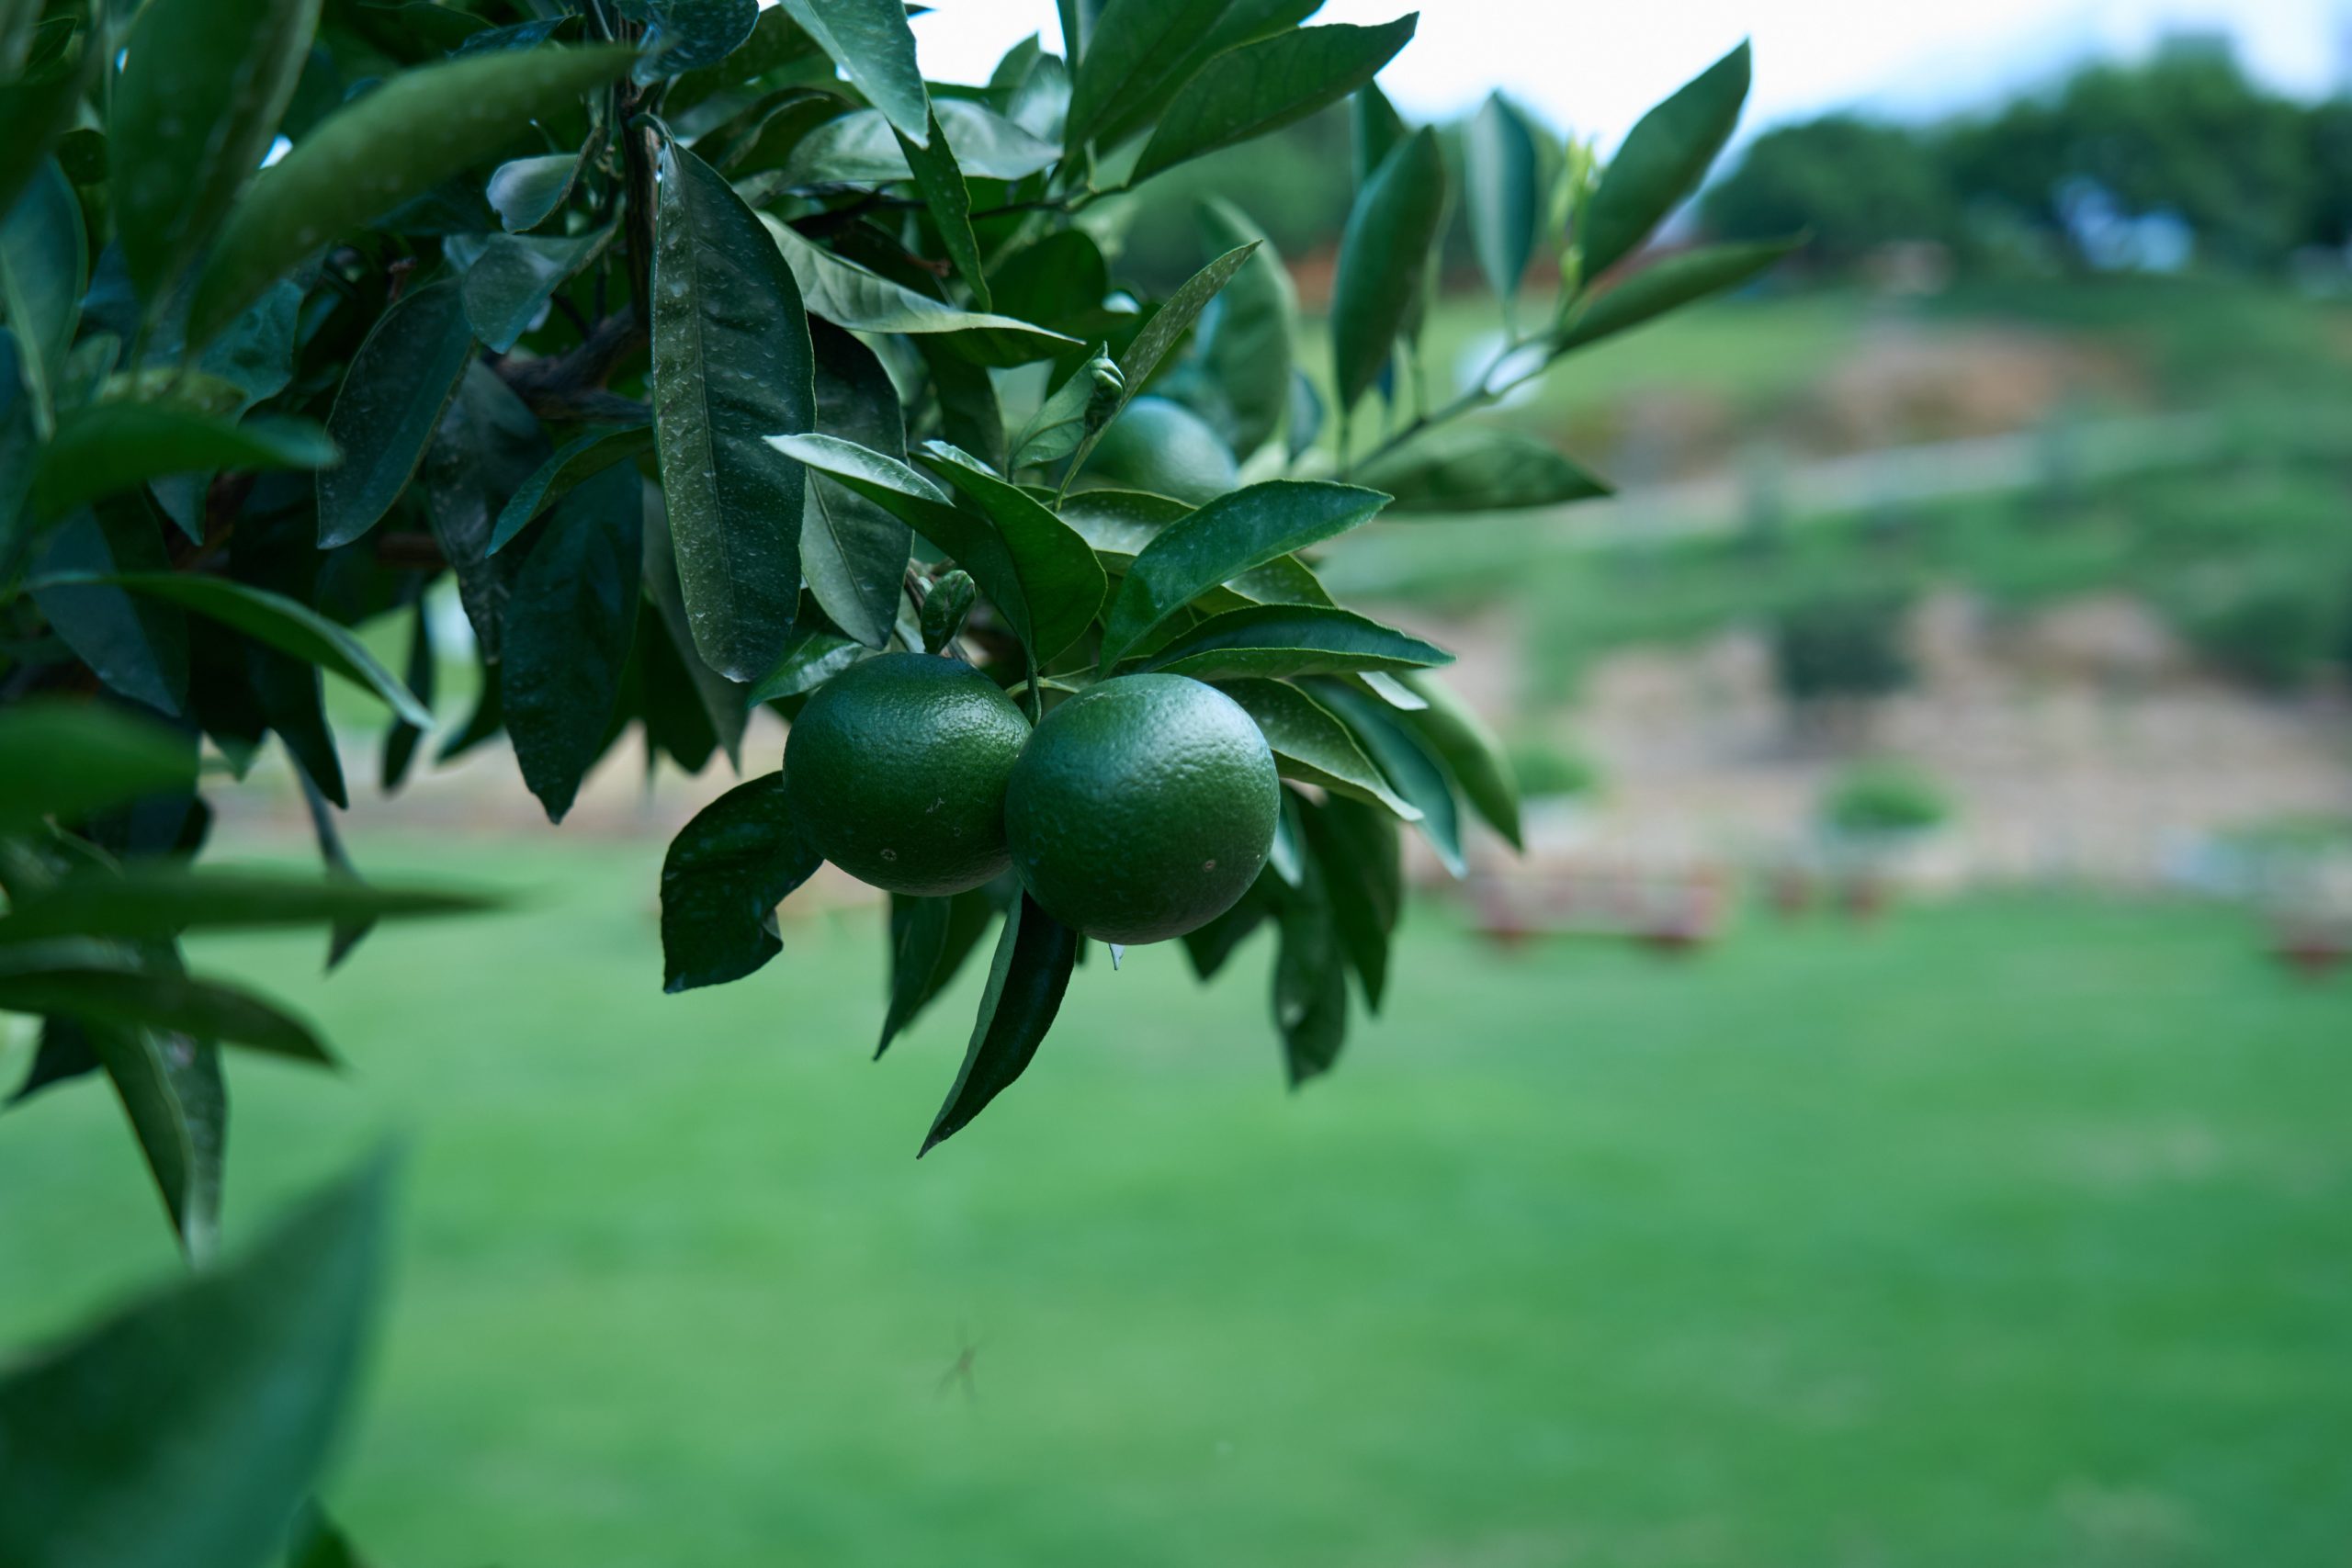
{"x": 718, "y": 361}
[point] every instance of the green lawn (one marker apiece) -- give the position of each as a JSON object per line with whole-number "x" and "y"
{"x": 2011, "y": 1233}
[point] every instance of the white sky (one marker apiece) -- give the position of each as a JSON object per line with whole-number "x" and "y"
{"x": 1594, "y": 68}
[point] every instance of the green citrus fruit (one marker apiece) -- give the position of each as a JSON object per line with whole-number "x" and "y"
{"x": 1142, "y": 808}
{"x": 1163, "y": 447}
{"x": 895, "y": 772}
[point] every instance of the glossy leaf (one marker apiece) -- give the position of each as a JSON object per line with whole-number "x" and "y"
{"x": 723, "y": 701}
{"x": 1674, "y": 282}
{"x": 163, "y": 898}
{"x": 1662, "y": 160}
{"x": 525, "y": 192}
{"x": 200, "y": 90}
{"x": 185, "y": 1431}
{"x": 171, "y": 1092}
{"x": 1280, "y": 641}
{"x": 1413, "y": 768}
{"x": 580, "y": 459}
{"x": 721, "y": 880}
{"x": 687, "y": 35}
{"x": 1375, "y": 129}
{"x": 949, "y": 201}
{"x": 489, "y": 447}
{"x": 508, "y": 285}
{"x": 69, "y": 759}
{"x": 1035, "y": 955}
{"x": 390, "y": 403}
{"x": 945, "y": 607}
{"x": 569, "y": 620}
{"x": 400, "y": 740}
{"x": 854, "y": 552}
{"x": 44, "y": 264}
{"x": 1190, "y": 42}
{"x": 849, "y": 295}
{"x": 1311, "y": 745}
{"x": 1382, "y": 253}
{"x": 278, "y": 622}
{"x": 862, "y": 148}
{"x": 137, "y": 646}
{"x": 1311, "y": 972}
{"x": 777, "y": 41}
{"x": 1228, "y": 536}
{"x": 40, "y": 104}
{"x": 105, "y": 448}
{"x": 809, "y": 660}
{"x": 1261, "y": 87}
{"x": 1060, "y": 579}
{"x": 151, "y": 998}
{"x": 930, "y": 940}
{"x": 770, "y": 131}
{"x": 1359, "y": 855}
{"x": 1246, "y": 338}
{"x": 871, "y": 41}
{"x": 1503, "y": 193}
{"x": 731, "y": 366}
{"x": 1472, "y": 755}
{"x": 1162, "y": 333}
{"x": 1477, "y": 467}
{"x": 391, "y": 144}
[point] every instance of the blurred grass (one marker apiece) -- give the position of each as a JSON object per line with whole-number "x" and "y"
{"x": 2014, "y": 1231}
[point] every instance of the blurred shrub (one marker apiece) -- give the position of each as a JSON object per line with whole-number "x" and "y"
{"x": 1855, "y": 184}
{"x": 2277, "y": 629}
{"x": 1880, "y": 797}
{"x": 1841, "y": 645}
{"x": 1543, "y": 769}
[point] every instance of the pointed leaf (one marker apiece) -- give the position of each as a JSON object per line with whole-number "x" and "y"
{"x": 147, "y": 998}
{"x": 44, "y": 264}
{"x": 862, "y": 148}
{"x": 508, "y": 285}
{"x": 376, "y": 152}
{"x": 1412, "y": 767}
{"x": 1183, "y": 40}
{"x": 400, "y": 740}
{"x": 40, "y": 105}
{"x": 1222, "y": 540}
{"x": 525, "y": 192}
{"x": 1280, "y": 641}
{"x": 489, "y": 446}
{"x": 390, "y": 403}
{"x": 1501, "y": 192}
{"x": 138, "y": 645}
{"x": 930, "y": 940}
{"x": 1382, "y": 253}
{"x": 1246, "y": 341}
{"x": 1475, "y": 760}
{"x": 1261, "y": 87}
{"x": 1664, "y": 158}
{"x": 1034, "y": 959}
{"x": 689, "y": 35}
{"x": 580, "y": 459}
{"x": 1477, "y": 468}
{"x": 1358, "y": 851}
{"x": 1163, "y": 331}
{"x": 812, "y": 659}
{"x": 69, "y": 759}
{"x": 102, "y": 448}
{"x": 1311, "y": 745}
{"x": 171, "y": 1091}
{"x": 201, "y": 88}
{"x": 871, "y": 40}
{"x": 162, "y": 898}
{"x": 1311, "y": 972}
{"x": 185, "y": 1431}
{"x": 849, "y": 295}
{"x": 853, "y": 552}
{"x": 950, "y": 203}
{"x": 725, "y": 701}
{"x": 1061, "y": 581}
{"x": 724, "y": 874}
{"x": 731, "y": 365}
{"x": 569, "y": 620}
{"x": 1672, "y": 283}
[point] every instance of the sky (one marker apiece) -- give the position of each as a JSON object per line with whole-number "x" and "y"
{"x": 1594, "y": 68}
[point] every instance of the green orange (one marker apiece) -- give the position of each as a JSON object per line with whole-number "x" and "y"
{"x": 1142, "y": 808}
{"x": 896, "y": 772}
{"x": 1165, "y": 448}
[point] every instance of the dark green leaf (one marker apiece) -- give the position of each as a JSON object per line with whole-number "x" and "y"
{"x": 1163, "y": 331}
{"x": 1245, "y": 335}
{"x": 44, "y": 263}
{"x": 1061, "y": 582}
{"x": 862, "y": 148}
{"x": 1138, "y": 53}
{"x": 62, "y": 1056}
{"x": 1472, "y": 755}
{"x": 1311, "y": 745}
{"x": 809, "y": 660}
{"x": 1310, "y": 971}
{"x": 390, "y": 403}
{"x": 202, "y": 87}
{"x": 769, "y": 133}
{"x": 871, "y": 40}
{"x": 1412, "y": 766}
{"x": 1209, "y": 946}
{"x": 725, "y": 873}
{"x": 1034, "y": 958}
{"x": 171, "y": 1091}
{"x": 1357, "y": 852}
{"x": 853, "y": 552}
{"x": 930, "y": 940}
{"x": 944, "y": 608}
{"x": 1280, "y": 641}
{"x": 570, "y": 618}
{"x": 1477, "y": 468}
{"x": 71, "y": 758}
{"x": 581, "y": 459}
{"x": 1674, "y": 282}
{"x": 1222, "y": 540}
{"x": 969, "y": 414}
{"x": 723, "y": 700}
{"x": 508, "y": 285}
{"x": 395, "y": 142}
{"x": 1376, "y": 128}
{"x": 40, "y": 105}
{"x": 137, "y": 646}
{"x": 163, "y": 898}
{"x": 102, "y": 448}
{"x": 1262, "y": 87}
{"x": 849, "y": 295}
{"x": 1382, "y": 254}
{"x": 185, "y": 1431}
{"x": 777, "y": 41}
{"x": 687, "y": 35}
{"x": 525, "y": 192}
{"x": 149, "y": 999}
{"x": 1059, "y": 279}
{"x": 275, "y": 620}
{"x": 487, "y": 450}
{"x": 949, "y": 202}
{"x": 1501, "y": 180}
{"x": 400, "y": 739}
{"x": 1185, "y": 48}
{"x": 1662, "y": 160}
{"x": 732, "y": 365}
